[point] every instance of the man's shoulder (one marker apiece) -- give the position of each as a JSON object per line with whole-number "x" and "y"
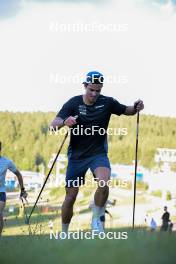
{"x": 109, "y": 99}
{"x": 104, "y": 98}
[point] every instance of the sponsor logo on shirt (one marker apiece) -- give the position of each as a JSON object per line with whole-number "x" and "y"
{"x": 82, "y": 110}
{"x": 99, "y": 106}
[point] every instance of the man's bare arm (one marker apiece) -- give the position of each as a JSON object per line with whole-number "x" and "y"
{"x": 59, "y": 122}
{"x": 20, "y": 179}
{"x": 132, "y": 110}
{"x": 23, "y": 193}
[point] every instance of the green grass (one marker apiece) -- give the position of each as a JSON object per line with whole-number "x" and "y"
{"x": 140, "y": 247}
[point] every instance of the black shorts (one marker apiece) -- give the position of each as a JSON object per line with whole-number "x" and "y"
{"x": 76, "y": 169}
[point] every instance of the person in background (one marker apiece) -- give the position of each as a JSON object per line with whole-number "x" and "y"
{"x": 7, "y": 164}
{"x": 165, "y": 220}
{"x": 153, "y": 225}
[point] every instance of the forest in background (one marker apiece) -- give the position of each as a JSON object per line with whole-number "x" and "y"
{"x": 26, "y": 139}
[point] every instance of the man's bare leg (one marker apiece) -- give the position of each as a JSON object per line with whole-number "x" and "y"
{"x": 102, "y": 175}
{"x": 67, "y": 207}
{"x": 2, "y": 205}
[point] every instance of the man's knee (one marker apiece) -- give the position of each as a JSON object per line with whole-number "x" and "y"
{"x": 103, "y": 184}
{"x": 102, "y": 175}
{"x": 70, "y": 197}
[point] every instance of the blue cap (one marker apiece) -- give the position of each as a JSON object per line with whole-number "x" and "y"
{"x": 94, "y": 77}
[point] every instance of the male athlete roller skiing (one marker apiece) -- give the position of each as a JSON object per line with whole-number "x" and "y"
{"x": 89, "y": 150}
